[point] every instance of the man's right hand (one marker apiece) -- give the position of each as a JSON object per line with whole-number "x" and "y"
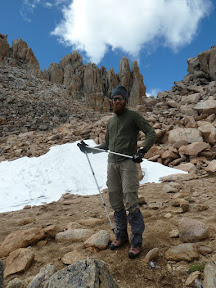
{"x": 84, "y": 147}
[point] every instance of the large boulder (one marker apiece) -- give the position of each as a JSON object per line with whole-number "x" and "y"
{"x": 191, "y": 99}
{"x": 20, "y": 239}
{"x": 18, "y": 261}
{"x": 207, "y": 61}
{"x": 42, "y": 278}
{"x": 193, "y": 65}
{"x": 190, "y": 135}
{"x": 208, "y": 131}
{"x": 209, "y": 275}
{"x": 191, "y": 230}
{"x": 182, "y": 252}
{"x": 194, "y": 149}
{"x": 206, "y": 106}
{"x": 89, "y": 273}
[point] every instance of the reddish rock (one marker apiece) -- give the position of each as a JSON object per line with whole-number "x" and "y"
{"x": 20, "y": 239}
{"x": 18, "y": 261}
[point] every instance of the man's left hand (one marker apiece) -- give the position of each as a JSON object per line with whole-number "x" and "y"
{"x": 137, "y": 157}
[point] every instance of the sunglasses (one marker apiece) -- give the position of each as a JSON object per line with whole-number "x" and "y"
{"x": 119, "y": 98}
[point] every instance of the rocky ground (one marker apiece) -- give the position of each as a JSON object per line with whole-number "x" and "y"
{"x": 163, "y": 206}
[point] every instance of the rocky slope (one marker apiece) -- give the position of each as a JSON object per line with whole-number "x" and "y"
{"x": 41, "y": 109}
{"x": 85, "y": 83}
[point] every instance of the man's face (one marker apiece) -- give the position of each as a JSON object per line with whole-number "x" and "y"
{"x": 119, "y": 103}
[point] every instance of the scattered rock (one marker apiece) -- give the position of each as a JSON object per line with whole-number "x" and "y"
{"x": 182, "y": 252}
{"x": 209, "y": 276}
{"x": 191, "y": 279}
{"x": 20, "y": 239}
{"x": 42, "y": 278}
{"x": 152, "y": 255}
{"x": 73, "y": 235}
{"x": 174, "y": 234}
{"x": 191, "y": 230}
{"x": 92, "y": 222}
{"x": 169, "y": 189}
{"x": 25, "y": 221}
{"x": 99, "y": 240}
{"x": 204, "y": 250}
{"x": 72, "y": 257}
{"x": 18, "y": 261}
{"x": 16, "y": 283}
{"x": 168, "y": 215}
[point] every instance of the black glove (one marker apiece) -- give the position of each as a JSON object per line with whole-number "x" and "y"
{"x": 139, "y": 155}
{"x": 83, "y": 147}
{"x": 142, "y": 150}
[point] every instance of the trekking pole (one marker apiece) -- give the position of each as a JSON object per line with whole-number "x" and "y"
{"x": 100, "y": 192}
{"x": 110, "y": 152}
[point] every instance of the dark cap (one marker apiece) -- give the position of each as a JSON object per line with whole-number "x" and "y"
{"x": 119, "y": 90}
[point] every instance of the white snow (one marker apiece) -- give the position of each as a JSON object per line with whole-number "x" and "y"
{"x": 64, "y": 169}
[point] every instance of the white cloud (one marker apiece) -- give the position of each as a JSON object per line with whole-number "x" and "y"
{"x": 153, "y": 92}
{"x": 27, "y": 9}
{"x": 29, "y": 6}
{"x": 94, "y": 26}
{"x": 55, "y": 3}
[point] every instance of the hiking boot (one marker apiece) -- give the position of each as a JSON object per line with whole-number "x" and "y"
{"x": 116, "y": 244}
{"x": 134, "y": 252}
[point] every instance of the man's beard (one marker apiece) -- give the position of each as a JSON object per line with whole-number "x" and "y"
{"x": 119, "y": 107}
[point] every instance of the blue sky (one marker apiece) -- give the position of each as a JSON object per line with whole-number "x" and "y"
{"x": 160, "y": 34}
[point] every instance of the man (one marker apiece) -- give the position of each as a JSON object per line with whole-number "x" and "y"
{"x": 1, "y": 275}
{"x": 122, "y": 175}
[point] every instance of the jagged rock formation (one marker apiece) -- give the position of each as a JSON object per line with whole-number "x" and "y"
{"x": 4, "y": 47}
{"x": 88, "y": 83}
{"x": 19, "y": 54}
{"x": 93, "y": 85}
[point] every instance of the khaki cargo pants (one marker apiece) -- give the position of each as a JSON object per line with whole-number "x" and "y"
{"x": 123, "y": 184}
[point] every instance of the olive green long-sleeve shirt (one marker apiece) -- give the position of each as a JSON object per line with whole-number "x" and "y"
{"x": 122, "y": 133}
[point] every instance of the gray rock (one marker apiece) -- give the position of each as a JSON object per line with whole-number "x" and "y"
{"x": 169, "y": 189}
{"x": 42, "y": 278}
{"x": 206, "y": 107}
{"x": 190, "y": 135}
{"x": 89, "y": 273}
{"x": 185, "y": 252}
{"x": 209, "y": 276}
{"x": 73, "y": 235}
{"x": 16, "y": 283}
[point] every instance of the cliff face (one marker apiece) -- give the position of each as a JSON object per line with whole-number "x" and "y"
{"x": 86, "y": 83}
